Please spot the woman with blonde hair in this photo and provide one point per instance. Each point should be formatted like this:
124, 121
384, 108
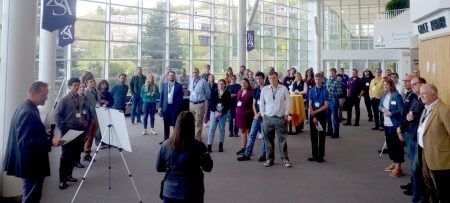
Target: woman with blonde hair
149, 94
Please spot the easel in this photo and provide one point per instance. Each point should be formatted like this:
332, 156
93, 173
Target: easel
382, 149
109, 129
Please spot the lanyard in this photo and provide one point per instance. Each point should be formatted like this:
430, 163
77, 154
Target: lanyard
426, 115
195, 83
274, 93
318, 93
75, 102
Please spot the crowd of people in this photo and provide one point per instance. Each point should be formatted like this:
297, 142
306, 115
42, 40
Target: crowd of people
255, 106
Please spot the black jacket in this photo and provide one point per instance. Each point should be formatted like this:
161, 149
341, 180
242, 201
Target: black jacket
225, 100
28, 144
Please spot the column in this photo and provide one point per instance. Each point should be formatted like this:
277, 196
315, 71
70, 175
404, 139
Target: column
17, 72
242, 33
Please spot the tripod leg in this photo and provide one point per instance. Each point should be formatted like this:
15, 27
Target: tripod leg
89, 167
131, 176
382, 149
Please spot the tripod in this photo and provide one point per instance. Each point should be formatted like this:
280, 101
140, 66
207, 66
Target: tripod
109, 129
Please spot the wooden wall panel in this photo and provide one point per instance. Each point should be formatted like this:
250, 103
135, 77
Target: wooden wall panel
436, 53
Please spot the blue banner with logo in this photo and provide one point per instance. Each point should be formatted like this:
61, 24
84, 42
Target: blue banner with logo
250, 40
66, 35
58, 13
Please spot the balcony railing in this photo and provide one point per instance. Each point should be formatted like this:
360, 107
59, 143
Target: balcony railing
390, 14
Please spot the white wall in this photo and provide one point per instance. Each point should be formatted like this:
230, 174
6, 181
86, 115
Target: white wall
394, 33
404, 57
423, 8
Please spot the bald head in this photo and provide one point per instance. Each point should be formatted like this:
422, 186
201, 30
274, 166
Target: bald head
407, 82
428, 93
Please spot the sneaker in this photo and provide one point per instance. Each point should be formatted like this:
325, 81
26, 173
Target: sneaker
153, 132
268, 163
144, 132
262, 159
243, 158
287, 164
240, 152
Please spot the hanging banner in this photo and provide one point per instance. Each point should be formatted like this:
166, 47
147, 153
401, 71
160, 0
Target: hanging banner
250, 40
58, 13
66, 35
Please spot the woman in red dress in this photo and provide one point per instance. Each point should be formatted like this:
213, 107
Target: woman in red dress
244, 112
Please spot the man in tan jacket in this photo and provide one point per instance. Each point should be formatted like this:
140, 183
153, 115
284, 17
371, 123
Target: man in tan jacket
433, 137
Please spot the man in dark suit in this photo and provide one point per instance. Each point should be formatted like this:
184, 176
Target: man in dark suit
170, 102
433, 137
29, 143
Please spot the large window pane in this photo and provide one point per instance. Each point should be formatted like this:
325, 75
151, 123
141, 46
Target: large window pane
202, 38
221, 25
179, 36
155, 67
222, 11
91, 10
88, 49
117, 67
202, 23
123, 50
179, 6
124, 14
121, 32
96, 67
220, 68
221, 39
155, 4
221, 53
179, 20
200, 64
202, 52
202, 8
125, 2
89, 30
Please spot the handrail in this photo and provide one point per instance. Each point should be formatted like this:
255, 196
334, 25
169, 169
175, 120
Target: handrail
390, 14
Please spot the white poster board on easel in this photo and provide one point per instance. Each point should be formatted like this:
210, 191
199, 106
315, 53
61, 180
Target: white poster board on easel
117, 135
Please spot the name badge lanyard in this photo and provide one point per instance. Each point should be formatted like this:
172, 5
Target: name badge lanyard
318, 94
426, 115
274, 93
75, 102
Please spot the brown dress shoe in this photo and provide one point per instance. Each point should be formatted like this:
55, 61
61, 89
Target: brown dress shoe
397, 172
390, 167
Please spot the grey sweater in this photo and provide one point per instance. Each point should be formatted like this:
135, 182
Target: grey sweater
66, 117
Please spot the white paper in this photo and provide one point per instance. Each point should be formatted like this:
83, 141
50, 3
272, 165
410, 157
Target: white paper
117, 134
319, 127
71, 135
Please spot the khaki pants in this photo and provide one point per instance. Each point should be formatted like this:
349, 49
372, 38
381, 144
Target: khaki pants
199, 111
90, 136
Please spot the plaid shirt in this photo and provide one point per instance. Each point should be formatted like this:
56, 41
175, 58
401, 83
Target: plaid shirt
334, 88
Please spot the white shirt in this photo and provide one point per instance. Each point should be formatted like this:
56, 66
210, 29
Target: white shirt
387, 119
421, 130
275, 101
170, 87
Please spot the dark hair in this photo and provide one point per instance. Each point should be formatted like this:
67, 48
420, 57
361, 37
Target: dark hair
243, 66
222, 80
422, 80
318, 75
273, 73
339, 75
36, 87
248, 82
395, 74
103, 82
183, 140
333, 70
73, 80
354, 69
87, 76
260, 74
122, 74
391, 83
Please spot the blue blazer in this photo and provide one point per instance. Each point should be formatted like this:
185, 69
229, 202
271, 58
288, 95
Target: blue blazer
177, 97
395, 107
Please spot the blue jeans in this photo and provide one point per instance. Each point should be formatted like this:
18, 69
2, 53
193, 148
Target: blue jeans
32, 189
333, 118
256, 127
213, 126
136, 110
149, 108
416, 171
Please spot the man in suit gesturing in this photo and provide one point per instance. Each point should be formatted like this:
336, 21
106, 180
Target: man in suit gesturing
170, 102
433, 137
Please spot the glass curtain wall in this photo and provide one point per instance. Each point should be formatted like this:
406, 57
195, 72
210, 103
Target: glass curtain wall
348, 24
115, 36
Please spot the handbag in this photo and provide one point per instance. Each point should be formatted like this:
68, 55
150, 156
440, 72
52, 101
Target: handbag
172, 165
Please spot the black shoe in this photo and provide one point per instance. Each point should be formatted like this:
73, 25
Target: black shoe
320, 160
262, 159
220, 147
138, 121
209, 148
346, 124
62, 185
408, 192
356, 124
243, 158
79, 165
312, 159
370, 119
240, 152
230, 135
334, 137
87, 158
382, 129
375, 128
71, 179
406, 187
